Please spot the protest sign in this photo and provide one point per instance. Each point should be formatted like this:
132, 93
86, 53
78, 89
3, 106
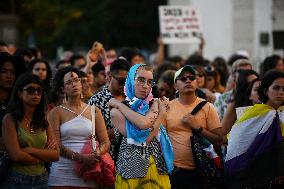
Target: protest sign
178, 24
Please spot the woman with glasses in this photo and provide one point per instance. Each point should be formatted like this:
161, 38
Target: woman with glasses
145, 154
27, 135
41, 69
73, 128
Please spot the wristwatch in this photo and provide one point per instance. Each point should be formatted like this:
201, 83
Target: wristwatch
199, 130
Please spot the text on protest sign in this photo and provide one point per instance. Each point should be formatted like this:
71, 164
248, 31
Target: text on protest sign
178, 23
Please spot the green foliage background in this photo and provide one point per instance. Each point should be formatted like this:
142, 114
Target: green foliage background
76, 24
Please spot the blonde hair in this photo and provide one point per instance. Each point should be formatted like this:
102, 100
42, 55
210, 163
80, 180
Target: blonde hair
145, 68
240, 62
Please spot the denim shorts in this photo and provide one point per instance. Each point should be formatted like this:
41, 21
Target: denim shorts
21, 181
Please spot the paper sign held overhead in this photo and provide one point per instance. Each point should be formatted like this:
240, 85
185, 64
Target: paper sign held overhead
179, 23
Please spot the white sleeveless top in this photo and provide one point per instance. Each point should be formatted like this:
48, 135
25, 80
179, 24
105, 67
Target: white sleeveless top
74, 134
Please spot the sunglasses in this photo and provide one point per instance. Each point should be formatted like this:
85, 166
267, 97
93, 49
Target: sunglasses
31, 90
209, 69
142, 81
121, 80
184, 78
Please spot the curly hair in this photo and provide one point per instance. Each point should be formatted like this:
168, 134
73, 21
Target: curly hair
58, 82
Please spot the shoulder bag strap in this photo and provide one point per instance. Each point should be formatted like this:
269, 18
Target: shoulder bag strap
93, 112
198, 107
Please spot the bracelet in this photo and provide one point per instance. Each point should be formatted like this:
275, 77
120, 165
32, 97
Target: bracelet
73, 156
97, 153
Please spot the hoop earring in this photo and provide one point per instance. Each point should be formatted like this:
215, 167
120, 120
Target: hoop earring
65, 99
177, 94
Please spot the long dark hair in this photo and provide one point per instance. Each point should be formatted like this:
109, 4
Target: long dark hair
16, 107
249, 89
240, 95
266, 82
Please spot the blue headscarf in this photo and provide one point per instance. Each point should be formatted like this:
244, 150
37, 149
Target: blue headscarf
141, 106
137, 136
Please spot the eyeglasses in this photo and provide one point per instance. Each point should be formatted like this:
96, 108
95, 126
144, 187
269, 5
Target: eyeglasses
71, 81
199, 75
121, 80
142, 81
190, 77
31, 90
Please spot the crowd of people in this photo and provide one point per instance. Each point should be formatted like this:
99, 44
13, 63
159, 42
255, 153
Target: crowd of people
143, 114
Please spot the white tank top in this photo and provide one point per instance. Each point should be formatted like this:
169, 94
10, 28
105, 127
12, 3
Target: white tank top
74, 134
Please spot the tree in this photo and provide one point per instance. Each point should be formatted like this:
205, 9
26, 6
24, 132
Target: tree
76, 24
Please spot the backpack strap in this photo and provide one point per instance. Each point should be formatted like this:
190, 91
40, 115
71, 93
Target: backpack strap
198, 107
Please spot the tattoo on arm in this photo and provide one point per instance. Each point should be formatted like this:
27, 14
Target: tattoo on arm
154, 115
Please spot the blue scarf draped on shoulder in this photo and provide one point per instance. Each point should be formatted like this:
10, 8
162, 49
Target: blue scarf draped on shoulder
138, 136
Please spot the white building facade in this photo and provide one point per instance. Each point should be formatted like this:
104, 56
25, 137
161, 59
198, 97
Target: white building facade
232, 25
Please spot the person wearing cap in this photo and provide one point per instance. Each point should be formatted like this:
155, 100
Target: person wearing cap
180, 123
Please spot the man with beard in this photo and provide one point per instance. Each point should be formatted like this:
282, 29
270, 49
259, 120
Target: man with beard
113, 89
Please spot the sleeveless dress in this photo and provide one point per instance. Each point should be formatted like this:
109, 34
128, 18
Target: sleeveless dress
74, 134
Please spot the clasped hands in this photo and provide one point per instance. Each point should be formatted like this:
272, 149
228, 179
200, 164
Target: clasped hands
189, 120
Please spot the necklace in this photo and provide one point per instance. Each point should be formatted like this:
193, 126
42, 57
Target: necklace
29, 126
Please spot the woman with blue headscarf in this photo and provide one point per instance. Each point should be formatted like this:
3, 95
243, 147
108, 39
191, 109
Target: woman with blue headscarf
145, 155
